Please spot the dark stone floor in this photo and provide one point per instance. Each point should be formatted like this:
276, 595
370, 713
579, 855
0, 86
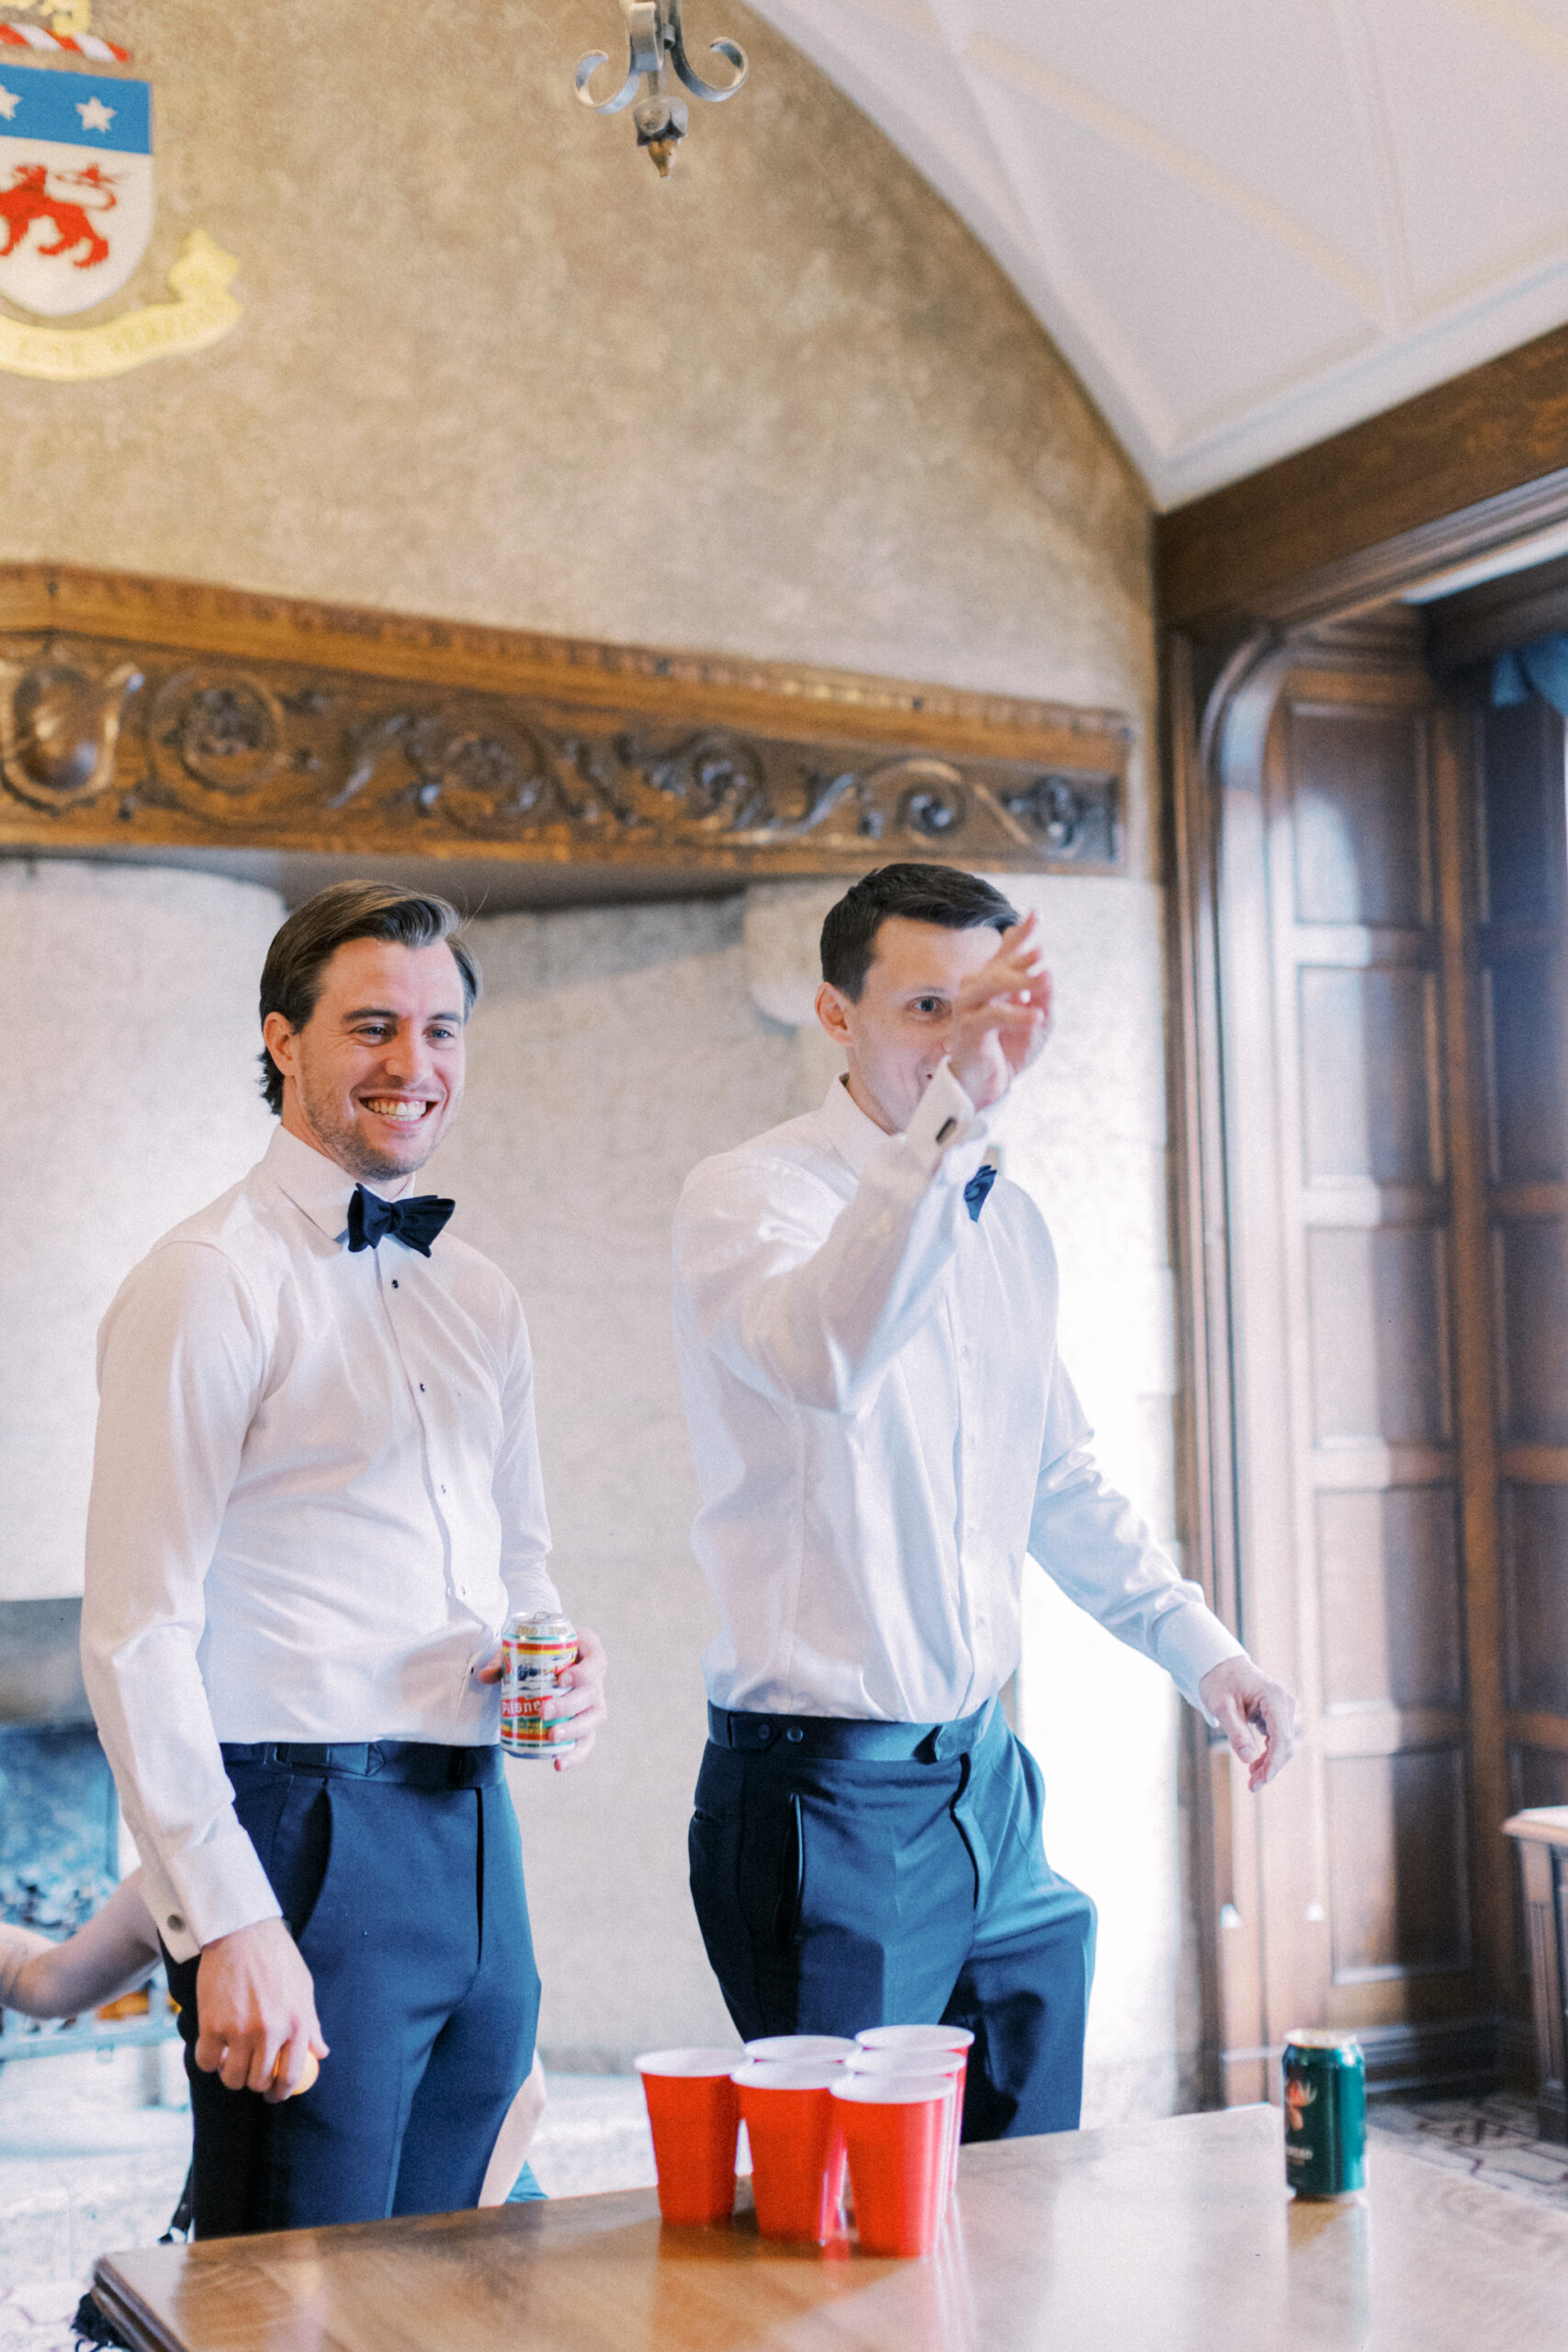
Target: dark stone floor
1491, 2140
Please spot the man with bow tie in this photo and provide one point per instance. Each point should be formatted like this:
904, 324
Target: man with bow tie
867, 1327
316, 1496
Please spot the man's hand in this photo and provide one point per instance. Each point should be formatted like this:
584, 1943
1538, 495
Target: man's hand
1258, 1717
581, 1708
581, 1704
1001, 1016
257, 2007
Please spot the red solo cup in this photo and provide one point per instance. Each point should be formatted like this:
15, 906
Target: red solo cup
953, 2063
926, 2037
768, 2071
801, 2049
895, 2133
694, 2112
796, 2166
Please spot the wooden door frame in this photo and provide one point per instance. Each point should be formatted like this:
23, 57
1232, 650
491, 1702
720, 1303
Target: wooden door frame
1469, 469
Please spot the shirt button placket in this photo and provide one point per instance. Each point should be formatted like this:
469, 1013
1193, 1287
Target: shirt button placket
421, 1407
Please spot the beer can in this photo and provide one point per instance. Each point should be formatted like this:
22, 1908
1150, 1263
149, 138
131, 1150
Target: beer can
534, 1649
1326, 2113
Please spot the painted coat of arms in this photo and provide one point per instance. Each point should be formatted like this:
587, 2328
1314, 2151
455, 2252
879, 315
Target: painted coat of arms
75, 187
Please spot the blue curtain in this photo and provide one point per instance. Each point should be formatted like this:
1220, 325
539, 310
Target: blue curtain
1541, 668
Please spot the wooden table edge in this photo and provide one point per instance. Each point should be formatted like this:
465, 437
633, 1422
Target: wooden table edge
130, 2312
126, 2311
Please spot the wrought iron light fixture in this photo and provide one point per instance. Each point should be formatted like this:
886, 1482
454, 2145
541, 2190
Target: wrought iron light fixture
657, 46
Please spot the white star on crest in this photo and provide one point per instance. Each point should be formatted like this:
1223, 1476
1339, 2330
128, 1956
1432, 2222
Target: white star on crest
9, 101
95, 115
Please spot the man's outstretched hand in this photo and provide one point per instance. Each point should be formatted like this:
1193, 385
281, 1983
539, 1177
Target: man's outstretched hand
579, 1710
1001, 1015
257, 2007
1258, 1717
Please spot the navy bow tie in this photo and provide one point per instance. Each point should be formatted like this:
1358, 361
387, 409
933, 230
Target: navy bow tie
978, 1187
414, 1223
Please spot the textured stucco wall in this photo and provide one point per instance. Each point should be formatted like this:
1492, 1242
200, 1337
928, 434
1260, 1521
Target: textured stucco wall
490, 368
127, 1012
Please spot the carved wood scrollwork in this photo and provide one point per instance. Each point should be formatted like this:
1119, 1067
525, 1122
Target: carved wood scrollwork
106, 739
59, 724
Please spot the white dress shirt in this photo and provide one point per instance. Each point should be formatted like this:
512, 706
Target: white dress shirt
883, 1430
316, 1495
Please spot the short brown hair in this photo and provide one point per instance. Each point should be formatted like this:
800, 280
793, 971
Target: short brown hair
300, 951
935, 894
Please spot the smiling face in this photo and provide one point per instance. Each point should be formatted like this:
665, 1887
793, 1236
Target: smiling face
894, 1034
375, 1077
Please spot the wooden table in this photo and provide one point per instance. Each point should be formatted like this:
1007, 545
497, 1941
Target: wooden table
1160, 2237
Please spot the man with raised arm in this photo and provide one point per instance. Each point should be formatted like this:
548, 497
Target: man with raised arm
316, 1496
867, 1328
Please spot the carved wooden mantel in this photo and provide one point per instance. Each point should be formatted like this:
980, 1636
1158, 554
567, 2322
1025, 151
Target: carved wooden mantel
152, 715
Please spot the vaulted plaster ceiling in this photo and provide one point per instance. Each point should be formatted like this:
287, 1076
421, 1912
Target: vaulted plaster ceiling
1247, 224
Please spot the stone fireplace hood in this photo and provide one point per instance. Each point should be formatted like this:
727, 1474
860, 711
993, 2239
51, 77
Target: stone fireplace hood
288, 742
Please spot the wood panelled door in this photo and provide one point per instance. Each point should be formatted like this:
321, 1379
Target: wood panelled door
1521, 954
1396, 1176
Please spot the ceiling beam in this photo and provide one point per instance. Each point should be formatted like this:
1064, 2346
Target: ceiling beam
1476, 462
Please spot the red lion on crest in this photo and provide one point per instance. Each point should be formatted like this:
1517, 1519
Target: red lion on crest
28, 199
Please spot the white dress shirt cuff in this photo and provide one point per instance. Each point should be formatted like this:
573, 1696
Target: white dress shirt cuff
210, 1891
1191, 1641
943, 1117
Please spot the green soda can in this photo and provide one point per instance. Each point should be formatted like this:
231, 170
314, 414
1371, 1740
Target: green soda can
1326, 2113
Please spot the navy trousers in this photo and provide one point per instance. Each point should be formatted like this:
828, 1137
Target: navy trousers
837, 1891
399, 1870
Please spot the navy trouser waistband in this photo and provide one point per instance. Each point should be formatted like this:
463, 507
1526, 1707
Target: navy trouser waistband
847, 1738
414, 1763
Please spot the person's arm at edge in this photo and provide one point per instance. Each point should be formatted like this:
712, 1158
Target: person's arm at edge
114, 1953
